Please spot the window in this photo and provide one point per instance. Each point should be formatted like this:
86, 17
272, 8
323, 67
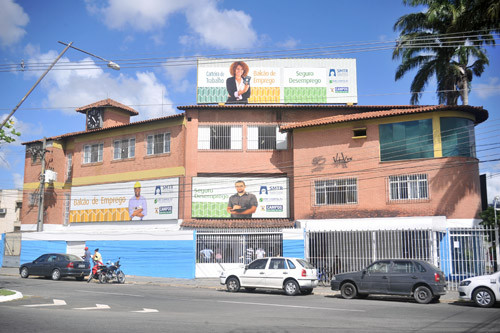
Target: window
124, 149
336, 191
92, 153
408, 187
403, 267
220, 137
359, 133
266, 137
258, 264
69, 165
158, 144
277, 264
67, 205
291, 265
406, 140
379, 267
33, 199
457, 137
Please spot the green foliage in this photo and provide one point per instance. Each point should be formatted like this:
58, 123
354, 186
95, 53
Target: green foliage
8, 133
488, 217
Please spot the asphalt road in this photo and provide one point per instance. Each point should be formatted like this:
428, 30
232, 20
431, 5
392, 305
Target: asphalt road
72, 306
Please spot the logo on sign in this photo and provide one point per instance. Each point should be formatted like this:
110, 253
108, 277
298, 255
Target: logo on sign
274, 208
165, 210
276, 188
163, 200
341, 90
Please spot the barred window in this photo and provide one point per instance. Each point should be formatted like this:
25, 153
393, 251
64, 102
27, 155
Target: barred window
408, 187
266, 137
33, 199
336, 191
124, 149
92, 153
158, 144
69, 165
220, 137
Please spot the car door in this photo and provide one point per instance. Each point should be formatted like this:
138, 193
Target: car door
403, 276
375, 279
37, 264
254, 274
276, 273
47, 266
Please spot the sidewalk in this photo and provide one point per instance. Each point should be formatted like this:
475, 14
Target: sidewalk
210, 283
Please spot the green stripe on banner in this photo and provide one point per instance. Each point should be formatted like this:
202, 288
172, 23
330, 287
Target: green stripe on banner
293, 248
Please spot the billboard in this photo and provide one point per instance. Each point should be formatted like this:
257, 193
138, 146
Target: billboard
301, 81
212, 196
131, 201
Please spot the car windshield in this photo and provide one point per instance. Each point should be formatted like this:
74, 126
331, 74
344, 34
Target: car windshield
305, 264
72, 257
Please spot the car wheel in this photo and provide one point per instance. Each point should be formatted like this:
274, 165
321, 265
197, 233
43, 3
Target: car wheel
80, 278
56, 274
24, 272
348, 290
484, 298
250, 289
233, 285
306, 291
291, 288
423, 295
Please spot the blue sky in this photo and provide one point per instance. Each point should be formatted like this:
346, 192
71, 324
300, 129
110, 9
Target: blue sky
147, 37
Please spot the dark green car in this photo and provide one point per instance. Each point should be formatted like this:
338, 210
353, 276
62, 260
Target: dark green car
406, 277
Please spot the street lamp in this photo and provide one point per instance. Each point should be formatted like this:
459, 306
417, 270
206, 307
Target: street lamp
110, 65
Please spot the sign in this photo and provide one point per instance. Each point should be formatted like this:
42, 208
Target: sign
211, 197
131, 201
294, 81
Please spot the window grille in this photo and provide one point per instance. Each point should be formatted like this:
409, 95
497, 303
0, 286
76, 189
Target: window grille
124, 149
336, 191
33, 199
266, 137
158, 144
220, 137
408, 187
92, 153
69, 165
67, 204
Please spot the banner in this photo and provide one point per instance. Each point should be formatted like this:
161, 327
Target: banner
132, 201
301, 81
211, 197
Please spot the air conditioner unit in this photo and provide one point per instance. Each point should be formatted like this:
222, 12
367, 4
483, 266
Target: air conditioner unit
50, 176
3, 210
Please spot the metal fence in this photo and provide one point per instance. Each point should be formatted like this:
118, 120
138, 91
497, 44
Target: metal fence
237, 246
460, 253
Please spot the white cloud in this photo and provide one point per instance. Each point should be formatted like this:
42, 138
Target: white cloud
176, 71
74, 88
18, 181
290, 43
486, 90
492, 185
13, 19
229, 29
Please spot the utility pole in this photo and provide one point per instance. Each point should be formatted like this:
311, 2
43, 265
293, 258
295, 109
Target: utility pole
41, 153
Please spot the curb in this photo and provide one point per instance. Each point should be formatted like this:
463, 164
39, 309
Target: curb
17, 295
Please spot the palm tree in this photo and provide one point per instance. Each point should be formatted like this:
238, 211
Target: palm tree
435, 43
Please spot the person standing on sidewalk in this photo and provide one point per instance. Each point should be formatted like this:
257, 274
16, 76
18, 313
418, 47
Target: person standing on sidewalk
87, 256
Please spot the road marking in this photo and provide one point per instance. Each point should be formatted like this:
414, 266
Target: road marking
57, 302
292, 306
97, 307
103, 292
145, 310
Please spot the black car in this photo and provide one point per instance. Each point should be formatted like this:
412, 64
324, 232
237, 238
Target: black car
417, 278
56, 265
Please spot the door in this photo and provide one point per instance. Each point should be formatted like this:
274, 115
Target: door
254, 274
375, 278
37, 266
276, 273
402, 277
46, 267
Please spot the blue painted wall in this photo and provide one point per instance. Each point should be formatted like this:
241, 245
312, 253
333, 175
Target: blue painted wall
30, 250
2, 247
294, 248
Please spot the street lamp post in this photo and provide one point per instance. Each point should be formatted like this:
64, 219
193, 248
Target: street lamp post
495, 203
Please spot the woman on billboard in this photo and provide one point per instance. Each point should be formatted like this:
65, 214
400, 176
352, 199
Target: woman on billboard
238, 85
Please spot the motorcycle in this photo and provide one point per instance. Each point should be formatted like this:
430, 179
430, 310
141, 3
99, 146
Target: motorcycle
111, 272
95, 272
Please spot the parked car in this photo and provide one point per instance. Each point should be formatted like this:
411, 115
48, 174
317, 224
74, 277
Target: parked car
290, 274
484, 290
56, 265
416, 278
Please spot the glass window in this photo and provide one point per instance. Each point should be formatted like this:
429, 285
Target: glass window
291, 265
305, 264
379, 267
457, 137
158, 144
403, 267
422, 268
277, 264
42, 258
124, 149
265, 137
408, 187
93, 153
406, 140
336, 191
220, 137
69, 165
258, 264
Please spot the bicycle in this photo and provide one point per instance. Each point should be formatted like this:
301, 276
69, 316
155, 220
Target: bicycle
323, 278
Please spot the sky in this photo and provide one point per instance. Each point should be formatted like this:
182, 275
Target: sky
155, 42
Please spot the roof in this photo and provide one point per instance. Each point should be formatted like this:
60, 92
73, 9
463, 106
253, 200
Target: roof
479, 113
68, 135
107, 102
238, 223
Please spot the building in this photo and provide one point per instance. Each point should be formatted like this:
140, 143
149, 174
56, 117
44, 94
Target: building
10, 210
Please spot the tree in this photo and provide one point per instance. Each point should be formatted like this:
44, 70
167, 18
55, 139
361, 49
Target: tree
8, 133
441, 42
488, 217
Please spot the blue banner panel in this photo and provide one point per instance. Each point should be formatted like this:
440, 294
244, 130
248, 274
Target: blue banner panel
2, 241
30, 250
293, 248
175, 259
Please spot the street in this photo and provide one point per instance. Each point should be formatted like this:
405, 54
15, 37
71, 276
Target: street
71, 306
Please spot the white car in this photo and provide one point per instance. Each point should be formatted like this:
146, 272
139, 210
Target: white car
290, 274
484, 290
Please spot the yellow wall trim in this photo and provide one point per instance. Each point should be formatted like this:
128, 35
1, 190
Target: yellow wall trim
436, 134
129, 176
34, 186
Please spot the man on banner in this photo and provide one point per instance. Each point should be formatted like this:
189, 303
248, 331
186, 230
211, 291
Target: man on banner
137, 205
242, 204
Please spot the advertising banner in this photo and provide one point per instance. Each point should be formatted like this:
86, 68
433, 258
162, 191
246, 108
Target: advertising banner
293, 81
227, 197
131, 201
